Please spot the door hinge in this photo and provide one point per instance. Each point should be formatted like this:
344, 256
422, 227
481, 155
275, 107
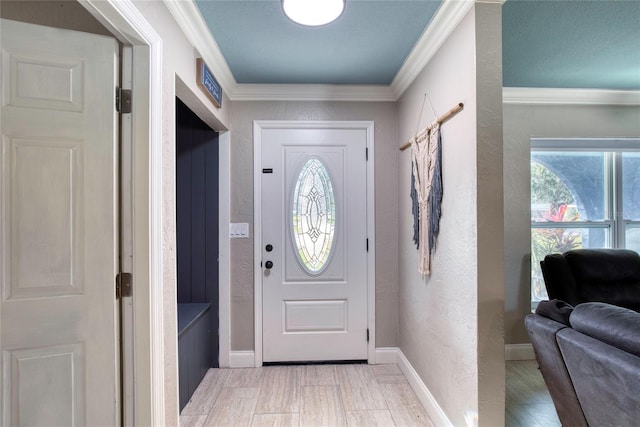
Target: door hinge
367, 245
124, 286
366, 154
367, 335
123, 100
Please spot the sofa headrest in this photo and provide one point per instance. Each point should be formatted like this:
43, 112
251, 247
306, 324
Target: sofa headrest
558, 279
606, 275
604, 265
616, 326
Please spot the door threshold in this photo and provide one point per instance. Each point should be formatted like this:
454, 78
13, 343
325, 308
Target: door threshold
318, 362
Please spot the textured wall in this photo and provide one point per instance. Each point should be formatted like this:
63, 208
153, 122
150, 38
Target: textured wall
386, 157
67, 14
178, 78
521, 123
490, 216
442, 333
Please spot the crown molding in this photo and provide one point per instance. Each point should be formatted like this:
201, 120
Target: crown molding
447, 18
438, 30
552, 96
294, 92
190, 21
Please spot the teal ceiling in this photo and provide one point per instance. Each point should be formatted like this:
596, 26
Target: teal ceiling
571, 44
366, 45
546, 43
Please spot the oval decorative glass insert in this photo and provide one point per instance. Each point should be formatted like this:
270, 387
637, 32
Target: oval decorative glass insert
313, 216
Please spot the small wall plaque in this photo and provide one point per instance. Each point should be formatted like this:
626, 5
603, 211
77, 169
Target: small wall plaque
208, 83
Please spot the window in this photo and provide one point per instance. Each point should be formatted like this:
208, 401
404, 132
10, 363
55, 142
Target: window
584, 194
313, 214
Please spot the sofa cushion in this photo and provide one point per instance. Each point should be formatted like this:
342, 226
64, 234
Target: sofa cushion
616, 326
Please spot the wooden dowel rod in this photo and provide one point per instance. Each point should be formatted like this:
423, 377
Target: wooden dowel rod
443, 118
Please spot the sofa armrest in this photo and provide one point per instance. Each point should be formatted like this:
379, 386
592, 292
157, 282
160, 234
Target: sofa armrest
606, 379
616, 326
542, 332
555, 309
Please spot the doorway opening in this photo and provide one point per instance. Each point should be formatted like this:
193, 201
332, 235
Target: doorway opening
197, 182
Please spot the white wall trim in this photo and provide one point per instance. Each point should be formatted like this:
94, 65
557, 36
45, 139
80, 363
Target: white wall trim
154, 223
393, 355
242, 359
387, 355
519, 352
442, 24
436, 413
439, 29
257, 241
258, 125
298, 92
224, 250
189, 19
371, 236
552, 96
126, 22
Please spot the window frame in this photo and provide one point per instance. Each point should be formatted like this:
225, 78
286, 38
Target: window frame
614, 221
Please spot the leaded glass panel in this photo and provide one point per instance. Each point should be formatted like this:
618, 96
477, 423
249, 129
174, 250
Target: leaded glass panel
313, 216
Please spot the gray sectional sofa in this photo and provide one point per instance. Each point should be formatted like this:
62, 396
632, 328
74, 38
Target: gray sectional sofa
589, 357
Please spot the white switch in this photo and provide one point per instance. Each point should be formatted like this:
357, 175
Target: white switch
239, 230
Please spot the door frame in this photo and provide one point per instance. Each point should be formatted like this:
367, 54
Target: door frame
129, 26
258, 126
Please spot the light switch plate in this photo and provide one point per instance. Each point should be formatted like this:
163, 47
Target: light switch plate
239, 230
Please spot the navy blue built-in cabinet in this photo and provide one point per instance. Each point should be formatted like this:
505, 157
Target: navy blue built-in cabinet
193, 352
197, 248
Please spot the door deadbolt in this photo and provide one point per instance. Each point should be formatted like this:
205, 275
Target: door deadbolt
268, 265
269, 248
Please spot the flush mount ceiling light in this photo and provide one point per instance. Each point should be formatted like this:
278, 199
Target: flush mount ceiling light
313, 12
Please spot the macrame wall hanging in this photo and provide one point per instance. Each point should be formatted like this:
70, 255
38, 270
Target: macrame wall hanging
426, 185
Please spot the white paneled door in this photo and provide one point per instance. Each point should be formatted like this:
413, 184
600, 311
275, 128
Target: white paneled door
314, 244
58, 228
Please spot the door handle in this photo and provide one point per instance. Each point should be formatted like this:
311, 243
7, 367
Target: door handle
268, 265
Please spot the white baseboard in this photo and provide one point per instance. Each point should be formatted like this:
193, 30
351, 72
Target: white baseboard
242, 359
429, 402
519, 352
386, 355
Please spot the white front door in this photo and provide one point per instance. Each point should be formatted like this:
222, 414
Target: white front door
58, 227
313, 243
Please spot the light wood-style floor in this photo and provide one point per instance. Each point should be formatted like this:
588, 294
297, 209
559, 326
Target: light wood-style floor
528, 403
311, 395
339, 395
